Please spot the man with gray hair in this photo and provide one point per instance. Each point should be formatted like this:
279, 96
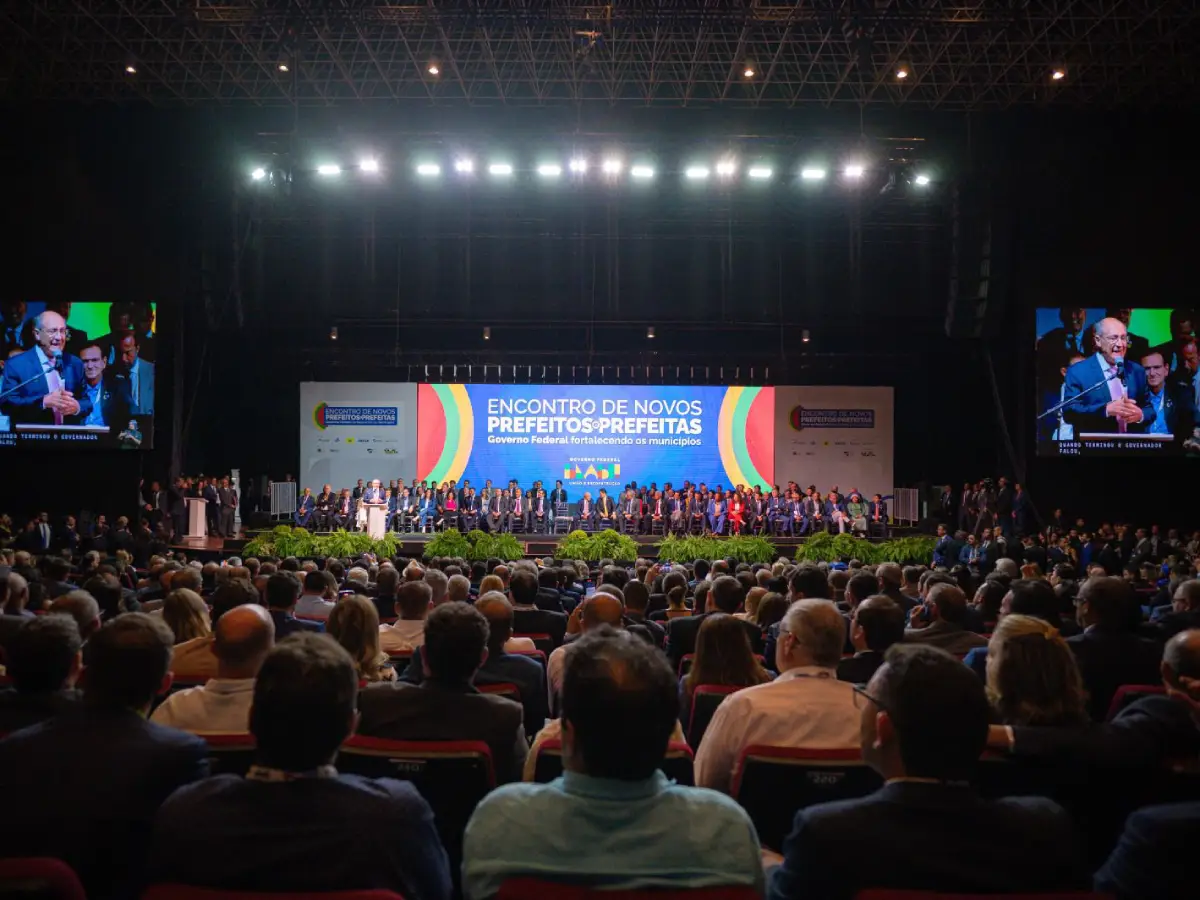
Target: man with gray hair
942, 622
806, 706
438, 583
458, 589
82, 607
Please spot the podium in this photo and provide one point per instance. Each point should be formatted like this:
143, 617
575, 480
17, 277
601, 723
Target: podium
195, 516
375, 522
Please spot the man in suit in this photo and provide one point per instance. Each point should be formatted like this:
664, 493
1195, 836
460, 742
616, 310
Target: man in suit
530, 616
941, 622
89, 783
1110, 652
178, 508
1153, 857
55, 392
585, 514
1056, 345
228, 499
1138, 345
924, 722
109, 397
138, 373
358, 491
303, 710
324, 508
44, 661
605, 509
500, 667
1117, 404
497, 512
446, 706
631, 512
877, 516
558, 495
343, 516
1174, 405
304, 508
212, 505
875, 625
12, 321
518, 512
725, 596
1183, 331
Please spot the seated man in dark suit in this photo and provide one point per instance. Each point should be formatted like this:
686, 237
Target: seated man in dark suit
1105, 408
526, 673
1110, 652
875, 625
528, 618
259, 833
1154, 857
89, 782
924, 723
446, 706
1185, 610
726, 596
44, 660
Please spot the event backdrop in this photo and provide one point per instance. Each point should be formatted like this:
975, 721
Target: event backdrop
835, 436
356, 430
595, 436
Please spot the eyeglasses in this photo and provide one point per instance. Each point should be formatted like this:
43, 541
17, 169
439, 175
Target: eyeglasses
53, 332
861, 696
1114, 338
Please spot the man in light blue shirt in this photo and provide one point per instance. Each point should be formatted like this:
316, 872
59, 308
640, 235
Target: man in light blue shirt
613, 820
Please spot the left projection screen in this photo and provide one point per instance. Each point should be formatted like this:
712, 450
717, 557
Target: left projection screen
593, 436
354, 430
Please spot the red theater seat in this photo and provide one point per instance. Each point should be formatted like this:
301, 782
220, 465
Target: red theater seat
230, 754
543, 642
183, 892
886, 894
39, 878
537, 889
1131, 693
705, 700
677, 764
503, 689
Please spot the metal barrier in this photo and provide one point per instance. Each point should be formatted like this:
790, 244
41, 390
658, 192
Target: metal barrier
906, 505
283, 499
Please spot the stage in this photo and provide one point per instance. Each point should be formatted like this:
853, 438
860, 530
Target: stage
536, 545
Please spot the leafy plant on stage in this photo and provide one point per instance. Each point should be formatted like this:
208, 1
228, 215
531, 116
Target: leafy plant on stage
739, 547
498, 546
451, 542
285, 541
844, 547
595, 546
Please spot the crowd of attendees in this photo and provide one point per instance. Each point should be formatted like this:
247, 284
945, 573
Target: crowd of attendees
119, 675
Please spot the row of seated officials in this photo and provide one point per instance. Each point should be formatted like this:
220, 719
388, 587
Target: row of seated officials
638, 510
93, 773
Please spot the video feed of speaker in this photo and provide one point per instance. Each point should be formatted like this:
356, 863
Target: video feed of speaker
77, 374
1117, 382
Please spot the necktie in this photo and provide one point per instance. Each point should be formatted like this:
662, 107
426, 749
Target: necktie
518, 509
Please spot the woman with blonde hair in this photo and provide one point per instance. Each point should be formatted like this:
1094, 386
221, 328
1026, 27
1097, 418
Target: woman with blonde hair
354, 623
492, 583
185, 613
1032, 678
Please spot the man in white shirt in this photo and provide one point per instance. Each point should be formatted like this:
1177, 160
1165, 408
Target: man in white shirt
408, 631
313, 603
243, 638
806, 706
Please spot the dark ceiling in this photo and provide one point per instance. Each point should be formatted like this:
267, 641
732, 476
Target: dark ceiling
959, 54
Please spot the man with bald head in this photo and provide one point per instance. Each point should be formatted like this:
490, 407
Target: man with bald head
806, 706
1114, 390
45, 385
511, 668
602, 608
243, 637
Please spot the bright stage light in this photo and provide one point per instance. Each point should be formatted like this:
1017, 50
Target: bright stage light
487, 333
259, 174
902, 72
642, 172
650, 332
578, 165
853, 171
549, 170
283, 67
131, 69
464, 166
369, 165
500, 169
922, 180
748, 72
433, 69
329, 169
812, 174
726, 168
611, 166
1058, 74
761, 172
429, 169
804, 335
696, 173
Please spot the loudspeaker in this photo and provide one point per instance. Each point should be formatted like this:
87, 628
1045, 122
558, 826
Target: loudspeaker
980, 244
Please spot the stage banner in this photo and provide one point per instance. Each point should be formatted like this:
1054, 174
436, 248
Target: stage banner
840, 436
595, 436
352, 430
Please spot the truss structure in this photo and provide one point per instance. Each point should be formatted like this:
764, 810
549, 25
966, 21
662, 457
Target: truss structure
957, 54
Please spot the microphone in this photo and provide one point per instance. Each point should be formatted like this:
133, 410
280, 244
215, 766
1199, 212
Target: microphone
1119, 365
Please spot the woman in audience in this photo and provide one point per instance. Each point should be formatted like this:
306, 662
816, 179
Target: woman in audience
186, 615
771, 609
124, 566
753, 598
723, 656
354, 623
676, 598
492, 583
1032, 678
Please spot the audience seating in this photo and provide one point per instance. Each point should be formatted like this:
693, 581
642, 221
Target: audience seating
677, 765
1130, 693
526, 888
705, 700
503, 688
230, 754
453, 776
184, 892
400, 660
772, 783
533, 654
39, 878
685, 664
543, 642
888, 894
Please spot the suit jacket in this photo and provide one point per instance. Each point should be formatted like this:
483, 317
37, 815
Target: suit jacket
114, 402
305, 505
1087, 413
945, 636
227, 497
141, 385
212, 496
1179, 409
976, 841
1154, 856
24, 404
540, 621
20, 710
882, 509
604, 505
859, 668
434, 711
682, 631
88, 785
557, 496
1109, 659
